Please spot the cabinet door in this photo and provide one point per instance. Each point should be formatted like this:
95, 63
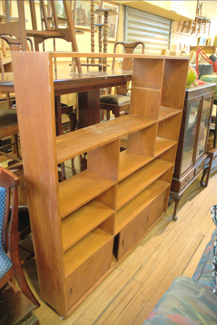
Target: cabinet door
133, 232
190, 134
204, 126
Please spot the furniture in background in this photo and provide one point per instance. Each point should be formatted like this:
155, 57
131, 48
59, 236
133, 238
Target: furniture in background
190, 301
106, 12
87, 84
191, 154
119, 101
15, 33
9, 128
93, 219
15, 301
200, 25
210, 78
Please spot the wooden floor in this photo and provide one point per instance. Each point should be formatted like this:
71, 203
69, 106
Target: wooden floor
171, 249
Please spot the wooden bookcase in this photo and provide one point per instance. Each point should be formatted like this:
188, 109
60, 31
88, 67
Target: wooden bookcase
83, 226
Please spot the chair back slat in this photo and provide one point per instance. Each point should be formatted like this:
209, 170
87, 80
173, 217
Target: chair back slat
44, 14
7, 11
54, 14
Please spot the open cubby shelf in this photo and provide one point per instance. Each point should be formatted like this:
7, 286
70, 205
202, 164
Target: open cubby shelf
130, 162
135, 183
166, 112
163, 145
84, 225
136, 205
81, 188
82, 221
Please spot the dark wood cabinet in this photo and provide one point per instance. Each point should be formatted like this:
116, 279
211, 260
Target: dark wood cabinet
191, 154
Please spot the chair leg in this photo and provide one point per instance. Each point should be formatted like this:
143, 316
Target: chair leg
72, 118
16, 145
21, 280
116, 112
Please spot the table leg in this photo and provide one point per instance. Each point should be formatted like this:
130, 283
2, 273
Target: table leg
59, 130
58, 115
89, 108
177, 199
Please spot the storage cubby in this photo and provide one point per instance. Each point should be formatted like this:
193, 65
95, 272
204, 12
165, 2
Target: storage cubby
79, 223
167, 128
139, 150
135, 183
173, 86
87, 223
146, 102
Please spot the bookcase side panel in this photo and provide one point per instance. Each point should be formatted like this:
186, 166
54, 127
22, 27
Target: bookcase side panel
35, 109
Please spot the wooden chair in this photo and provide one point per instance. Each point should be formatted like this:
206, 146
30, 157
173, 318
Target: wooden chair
9, 128
16, 34
118, 102
9, 253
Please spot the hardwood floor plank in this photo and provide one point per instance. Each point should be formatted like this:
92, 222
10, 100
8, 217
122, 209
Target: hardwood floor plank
120, 302
190, 266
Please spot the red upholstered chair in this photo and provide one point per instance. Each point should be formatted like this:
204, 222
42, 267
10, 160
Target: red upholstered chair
119, 101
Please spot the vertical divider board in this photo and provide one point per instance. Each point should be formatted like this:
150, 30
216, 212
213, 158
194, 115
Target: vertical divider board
108, 208
36, 119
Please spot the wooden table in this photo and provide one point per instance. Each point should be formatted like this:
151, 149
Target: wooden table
87, 85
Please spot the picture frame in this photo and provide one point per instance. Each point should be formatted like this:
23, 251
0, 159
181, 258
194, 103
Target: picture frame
83, 14
60, 11
113, 21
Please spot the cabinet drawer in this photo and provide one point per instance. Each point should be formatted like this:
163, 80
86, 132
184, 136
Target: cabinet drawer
187, 179
157, 207
132, 233
87, 274
199, 168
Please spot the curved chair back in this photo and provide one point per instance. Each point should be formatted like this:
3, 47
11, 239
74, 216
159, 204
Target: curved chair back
129, 48
9, 251
127, 63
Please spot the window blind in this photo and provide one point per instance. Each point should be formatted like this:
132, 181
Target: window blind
153, 30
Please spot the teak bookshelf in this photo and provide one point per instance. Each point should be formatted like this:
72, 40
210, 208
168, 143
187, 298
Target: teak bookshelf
86, 224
